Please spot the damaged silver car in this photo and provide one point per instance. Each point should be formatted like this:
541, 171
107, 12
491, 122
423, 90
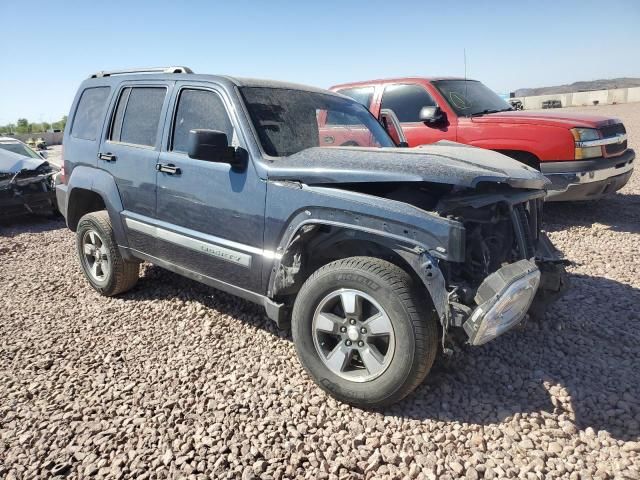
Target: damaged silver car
27, 185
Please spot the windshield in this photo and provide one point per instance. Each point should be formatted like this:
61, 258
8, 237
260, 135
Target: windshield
470, 97
20, 149
288, 121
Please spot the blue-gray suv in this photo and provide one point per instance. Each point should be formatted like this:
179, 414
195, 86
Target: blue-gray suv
375, 255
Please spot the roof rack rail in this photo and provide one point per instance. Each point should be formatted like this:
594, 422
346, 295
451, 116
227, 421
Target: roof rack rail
108, 73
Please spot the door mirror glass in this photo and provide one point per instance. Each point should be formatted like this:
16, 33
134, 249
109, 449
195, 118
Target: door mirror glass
431, 115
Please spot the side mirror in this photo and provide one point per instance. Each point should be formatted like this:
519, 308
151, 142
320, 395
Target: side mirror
431, 115
211, 146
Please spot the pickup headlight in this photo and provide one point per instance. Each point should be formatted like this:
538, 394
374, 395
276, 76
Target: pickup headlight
585, 135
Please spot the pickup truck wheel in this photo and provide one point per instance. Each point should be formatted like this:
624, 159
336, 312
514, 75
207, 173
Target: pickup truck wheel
100, 258
363, 331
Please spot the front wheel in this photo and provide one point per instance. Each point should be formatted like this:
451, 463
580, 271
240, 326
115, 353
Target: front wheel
364, 331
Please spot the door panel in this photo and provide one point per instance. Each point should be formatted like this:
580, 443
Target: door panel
130, 150
216, 212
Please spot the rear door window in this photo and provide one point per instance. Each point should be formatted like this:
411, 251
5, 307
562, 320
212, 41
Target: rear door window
137, 115
362, 95
199, 109
406, 101
90, 113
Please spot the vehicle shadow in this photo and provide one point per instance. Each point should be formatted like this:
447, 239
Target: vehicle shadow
29, 224
619, 212
577, 366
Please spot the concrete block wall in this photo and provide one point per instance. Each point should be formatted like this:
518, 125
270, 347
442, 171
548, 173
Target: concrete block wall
577, 99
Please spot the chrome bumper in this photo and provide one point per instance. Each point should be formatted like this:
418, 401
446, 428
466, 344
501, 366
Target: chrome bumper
575, 182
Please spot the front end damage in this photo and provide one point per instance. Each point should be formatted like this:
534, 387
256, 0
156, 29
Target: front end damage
511, 269
27, 191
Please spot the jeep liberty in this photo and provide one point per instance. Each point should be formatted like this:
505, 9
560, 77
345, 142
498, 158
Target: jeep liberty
375, 256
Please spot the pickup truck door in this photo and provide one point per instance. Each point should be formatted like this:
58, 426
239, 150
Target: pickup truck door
406, 100
210, 217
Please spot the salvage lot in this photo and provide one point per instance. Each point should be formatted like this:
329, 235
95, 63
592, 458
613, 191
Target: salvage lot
175, 378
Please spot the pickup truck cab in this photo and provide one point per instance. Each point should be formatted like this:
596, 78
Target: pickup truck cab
585, 156
375, 256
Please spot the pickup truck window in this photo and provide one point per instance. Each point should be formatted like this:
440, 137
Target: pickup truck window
362, 95
138, 115
406, 101
470, 97
199, 109
89, 112
286, 121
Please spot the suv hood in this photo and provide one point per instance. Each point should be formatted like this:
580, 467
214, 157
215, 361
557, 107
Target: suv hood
560, 119
442, 162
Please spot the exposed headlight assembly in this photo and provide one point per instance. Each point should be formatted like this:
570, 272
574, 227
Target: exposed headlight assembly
503, 300
581, 135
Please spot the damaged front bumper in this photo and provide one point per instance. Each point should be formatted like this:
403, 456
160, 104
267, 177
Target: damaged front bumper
503, 301
506, 296
20, 196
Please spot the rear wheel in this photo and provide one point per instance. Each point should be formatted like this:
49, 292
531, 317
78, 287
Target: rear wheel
363, 331
100, 258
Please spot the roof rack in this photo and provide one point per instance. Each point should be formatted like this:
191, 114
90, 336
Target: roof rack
108, 73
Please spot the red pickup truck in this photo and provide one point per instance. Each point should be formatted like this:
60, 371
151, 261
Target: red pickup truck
585, 156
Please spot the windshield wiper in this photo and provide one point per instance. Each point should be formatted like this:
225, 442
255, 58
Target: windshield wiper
487, 111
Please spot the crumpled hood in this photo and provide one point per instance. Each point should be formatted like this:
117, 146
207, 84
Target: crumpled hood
442, 162
11, 162
555, 118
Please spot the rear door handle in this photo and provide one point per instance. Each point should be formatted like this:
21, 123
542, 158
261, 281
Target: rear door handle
107, 157
169, 168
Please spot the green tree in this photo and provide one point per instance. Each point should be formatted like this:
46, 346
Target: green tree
60, 124
23, 126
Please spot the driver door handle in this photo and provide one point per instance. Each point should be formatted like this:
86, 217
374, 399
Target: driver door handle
169, 168
107, 157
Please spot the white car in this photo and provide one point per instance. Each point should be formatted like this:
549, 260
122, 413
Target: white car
16, 146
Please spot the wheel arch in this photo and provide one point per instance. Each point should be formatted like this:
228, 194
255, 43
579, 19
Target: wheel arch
523, 156
91, 190
316, 244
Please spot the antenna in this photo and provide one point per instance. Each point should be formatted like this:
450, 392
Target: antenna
464, 54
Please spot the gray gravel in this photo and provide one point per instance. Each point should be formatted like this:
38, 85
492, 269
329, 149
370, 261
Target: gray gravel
178, 380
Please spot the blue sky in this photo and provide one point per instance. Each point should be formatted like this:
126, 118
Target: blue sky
48, 48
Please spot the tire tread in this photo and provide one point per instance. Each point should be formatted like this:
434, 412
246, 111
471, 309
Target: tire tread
425, 328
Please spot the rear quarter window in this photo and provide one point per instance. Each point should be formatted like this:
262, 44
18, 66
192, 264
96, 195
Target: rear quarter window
89, 113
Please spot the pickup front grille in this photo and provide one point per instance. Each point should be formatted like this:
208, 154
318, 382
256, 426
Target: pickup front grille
610, 131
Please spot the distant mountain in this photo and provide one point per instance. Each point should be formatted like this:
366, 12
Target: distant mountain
580, 87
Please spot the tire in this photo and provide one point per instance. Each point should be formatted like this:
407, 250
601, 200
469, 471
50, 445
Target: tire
412, 342
113, 275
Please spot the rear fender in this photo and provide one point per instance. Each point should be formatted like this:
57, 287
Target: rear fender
103, 184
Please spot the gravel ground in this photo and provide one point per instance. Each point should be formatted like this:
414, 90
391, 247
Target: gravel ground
178, 380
